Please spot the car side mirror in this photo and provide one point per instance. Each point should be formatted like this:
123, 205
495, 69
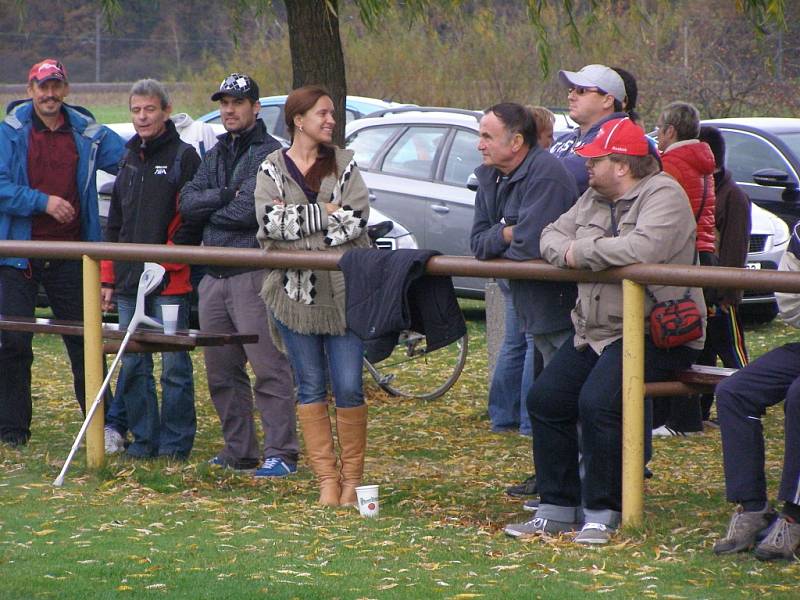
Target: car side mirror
472, 182
774, 178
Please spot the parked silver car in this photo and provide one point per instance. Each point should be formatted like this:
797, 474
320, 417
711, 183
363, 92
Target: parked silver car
416, 162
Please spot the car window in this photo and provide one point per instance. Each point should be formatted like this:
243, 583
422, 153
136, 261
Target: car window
349, 115
413, 153
792, 140
270, 116
747, 153
463, 158
365, 143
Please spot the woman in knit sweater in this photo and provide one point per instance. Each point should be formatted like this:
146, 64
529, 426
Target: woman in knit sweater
312, 197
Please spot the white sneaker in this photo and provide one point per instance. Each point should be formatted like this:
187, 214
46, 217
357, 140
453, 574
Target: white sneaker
113, 441
665, 431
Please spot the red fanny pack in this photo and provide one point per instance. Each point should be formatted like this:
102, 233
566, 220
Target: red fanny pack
675, 322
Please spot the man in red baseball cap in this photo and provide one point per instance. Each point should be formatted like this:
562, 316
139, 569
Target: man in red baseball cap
49, 68
49, 155
631, 213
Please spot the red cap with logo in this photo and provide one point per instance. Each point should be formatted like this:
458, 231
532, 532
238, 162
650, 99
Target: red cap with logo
49, 68
617, 136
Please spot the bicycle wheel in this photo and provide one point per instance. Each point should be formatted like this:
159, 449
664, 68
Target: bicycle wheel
412, 371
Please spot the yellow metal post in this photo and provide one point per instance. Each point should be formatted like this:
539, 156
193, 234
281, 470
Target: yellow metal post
632, 403
93, 359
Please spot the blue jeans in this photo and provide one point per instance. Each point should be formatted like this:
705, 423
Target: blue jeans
513, 375
579, 387
172, 432
307, 354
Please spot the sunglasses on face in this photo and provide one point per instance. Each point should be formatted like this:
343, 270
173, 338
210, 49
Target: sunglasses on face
581, 91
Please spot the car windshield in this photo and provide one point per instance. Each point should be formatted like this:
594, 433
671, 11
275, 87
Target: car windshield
792, 140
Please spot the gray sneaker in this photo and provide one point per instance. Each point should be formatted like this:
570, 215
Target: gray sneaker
595, 533
781, 542
539, 526
112, 440
743, 530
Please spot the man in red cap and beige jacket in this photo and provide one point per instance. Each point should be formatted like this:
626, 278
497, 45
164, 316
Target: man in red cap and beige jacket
630, 214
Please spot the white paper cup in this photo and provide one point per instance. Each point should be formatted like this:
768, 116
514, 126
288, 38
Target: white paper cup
367, 498
169, 316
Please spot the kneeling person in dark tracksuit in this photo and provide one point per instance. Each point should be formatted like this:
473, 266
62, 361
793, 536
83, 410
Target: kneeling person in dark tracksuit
144, 210
741, 400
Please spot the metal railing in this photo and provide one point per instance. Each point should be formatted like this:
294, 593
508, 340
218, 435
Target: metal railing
632, 278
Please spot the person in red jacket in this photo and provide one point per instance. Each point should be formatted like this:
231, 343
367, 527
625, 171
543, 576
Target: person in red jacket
692, 164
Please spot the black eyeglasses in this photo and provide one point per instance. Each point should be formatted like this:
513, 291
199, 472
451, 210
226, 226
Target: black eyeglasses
590, 162
581, 91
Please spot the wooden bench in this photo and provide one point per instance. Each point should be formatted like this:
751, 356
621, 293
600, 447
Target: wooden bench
697, 379
143, 340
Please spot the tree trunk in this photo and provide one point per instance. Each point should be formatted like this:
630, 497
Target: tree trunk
316, 51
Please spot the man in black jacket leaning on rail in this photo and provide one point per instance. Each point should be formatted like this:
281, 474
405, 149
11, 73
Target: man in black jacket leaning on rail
219, 200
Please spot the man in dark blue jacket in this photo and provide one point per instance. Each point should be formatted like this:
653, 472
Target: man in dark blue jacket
522, 189
49, 156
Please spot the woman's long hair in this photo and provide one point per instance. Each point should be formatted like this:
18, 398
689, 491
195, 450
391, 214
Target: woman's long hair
299, 102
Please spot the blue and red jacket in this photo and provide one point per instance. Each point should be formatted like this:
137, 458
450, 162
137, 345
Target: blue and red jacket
144, 207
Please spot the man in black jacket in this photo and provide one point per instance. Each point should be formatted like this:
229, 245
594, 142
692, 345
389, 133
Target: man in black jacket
219, 202
144, 210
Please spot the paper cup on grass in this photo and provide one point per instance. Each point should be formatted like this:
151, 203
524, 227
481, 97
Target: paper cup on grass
169, 316
367, 496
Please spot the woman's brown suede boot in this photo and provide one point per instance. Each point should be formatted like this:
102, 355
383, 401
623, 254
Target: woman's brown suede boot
351, 429
316, 426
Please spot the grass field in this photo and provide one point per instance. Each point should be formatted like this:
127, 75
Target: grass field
185, 530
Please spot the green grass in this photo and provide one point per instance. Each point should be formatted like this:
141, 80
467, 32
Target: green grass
185, 530
111, 114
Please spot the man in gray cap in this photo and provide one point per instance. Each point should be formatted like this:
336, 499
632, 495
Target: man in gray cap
595, 95
219, 203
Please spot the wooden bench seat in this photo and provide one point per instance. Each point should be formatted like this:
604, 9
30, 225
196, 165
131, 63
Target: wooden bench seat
143, 340
697, 379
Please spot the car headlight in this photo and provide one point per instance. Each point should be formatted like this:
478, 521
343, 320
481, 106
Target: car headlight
780, 235
407, 241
